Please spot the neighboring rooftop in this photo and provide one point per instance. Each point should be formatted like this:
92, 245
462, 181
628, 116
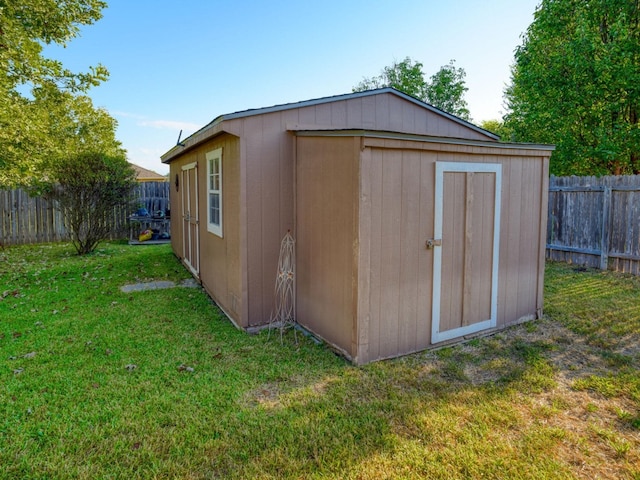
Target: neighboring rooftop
146, 175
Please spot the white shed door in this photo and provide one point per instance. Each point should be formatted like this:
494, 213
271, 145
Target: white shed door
190, 222
465, 248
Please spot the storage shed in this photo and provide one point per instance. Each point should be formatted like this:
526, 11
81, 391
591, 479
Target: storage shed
414, 228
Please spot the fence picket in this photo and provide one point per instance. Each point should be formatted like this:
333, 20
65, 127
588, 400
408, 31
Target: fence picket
24, 219
595, 222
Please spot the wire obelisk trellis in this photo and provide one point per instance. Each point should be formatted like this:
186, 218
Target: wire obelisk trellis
283, 315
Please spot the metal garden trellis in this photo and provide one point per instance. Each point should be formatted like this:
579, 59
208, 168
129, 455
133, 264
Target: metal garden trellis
283, 315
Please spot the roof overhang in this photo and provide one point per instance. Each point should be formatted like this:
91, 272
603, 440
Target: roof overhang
193, 141
422, 139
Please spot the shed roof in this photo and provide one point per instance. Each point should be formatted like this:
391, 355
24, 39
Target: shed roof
216, 122
349, 132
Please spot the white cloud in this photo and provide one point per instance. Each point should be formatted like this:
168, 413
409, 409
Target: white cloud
119, 113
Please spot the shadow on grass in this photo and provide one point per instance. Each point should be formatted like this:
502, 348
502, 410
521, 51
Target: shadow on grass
407, 417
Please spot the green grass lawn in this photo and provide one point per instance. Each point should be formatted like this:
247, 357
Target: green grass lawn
96, 383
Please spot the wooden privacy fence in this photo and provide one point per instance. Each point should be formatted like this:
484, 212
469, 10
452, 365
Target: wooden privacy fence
25, 219
595, 222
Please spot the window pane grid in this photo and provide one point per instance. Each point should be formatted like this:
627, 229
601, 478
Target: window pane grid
214, 197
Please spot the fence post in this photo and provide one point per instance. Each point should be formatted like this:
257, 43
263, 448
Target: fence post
604, 231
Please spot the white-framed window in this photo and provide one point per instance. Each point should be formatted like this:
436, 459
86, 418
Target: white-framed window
214, 191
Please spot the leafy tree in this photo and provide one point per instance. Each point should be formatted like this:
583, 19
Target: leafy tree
405, 76
87, 188
576, 83
52, 125
498, 127
444, 90
44, 112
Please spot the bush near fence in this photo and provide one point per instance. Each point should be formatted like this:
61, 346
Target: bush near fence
595, 222
25, 219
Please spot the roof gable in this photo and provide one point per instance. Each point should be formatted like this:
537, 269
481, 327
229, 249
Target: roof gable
348, 96
418, 107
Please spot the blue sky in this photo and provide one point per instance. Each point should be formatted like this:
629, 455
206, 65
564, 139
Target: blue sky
177, 65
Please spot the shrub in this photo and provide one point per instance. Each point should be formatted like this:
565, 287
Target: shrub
87, 188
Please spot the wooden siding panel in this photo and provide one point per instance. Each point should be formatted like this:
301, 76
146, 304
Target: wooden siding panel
396, 114
509, 242
287, 172
268, 151
409, 117
425, 257
398, 267
231, 219
382, 113
479, 248
453, 234
390, 251
529, 213
326, 170
273, 210
519, 246
307, 116
543, 181
252, 148
323, 114
368, 106
385, 112
354, 112
339, 113
363, 286
308, 200
375, 261
503, 266
410, 248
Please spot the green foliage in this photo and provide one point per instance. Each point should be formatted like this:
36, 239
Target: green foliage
87, 188
497, 127
28, 24
576, 84
44, 112
53, 124
405, 76
444, 90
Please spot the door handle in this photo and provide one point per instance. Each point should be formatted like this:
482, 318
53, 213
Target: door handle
433, 242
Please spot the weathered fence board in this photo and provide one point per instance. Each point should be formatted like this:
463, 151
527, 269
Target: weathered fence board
25, 219
595, 222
